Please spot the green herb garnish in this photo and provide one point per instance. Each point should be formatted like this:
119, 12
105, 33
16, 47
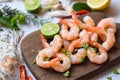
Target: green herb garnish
81, 27
81, 6
13, 18
38, 50
86, 46
67, 73
109, 78
34, 61
67, 53
82, 59
115, 71
33, 50
47, 58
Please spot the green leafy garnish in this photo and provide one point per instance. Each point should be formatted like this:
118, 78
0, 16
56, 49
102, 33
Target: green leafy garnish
67, 53
82, 59
115, 71
109, 78
13, 18
33, 50
67, 73
47, 58
81, 6
86, 46
34, 61
38, 50
81, 27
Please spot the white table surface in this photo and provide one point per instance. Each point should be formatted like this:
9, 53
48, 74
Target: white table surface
113, 11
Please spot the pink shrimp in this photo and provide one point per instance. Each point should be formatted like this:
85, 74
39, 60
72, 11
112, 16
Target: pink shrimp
108, 36
40, 60
61, 63
93, 56
56, 43
90, 23
79, 55
69, 34
108, 24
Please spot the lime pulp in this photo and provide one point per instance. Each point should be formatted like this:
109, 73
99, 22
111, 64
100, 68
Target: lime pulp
32, 5
50, 29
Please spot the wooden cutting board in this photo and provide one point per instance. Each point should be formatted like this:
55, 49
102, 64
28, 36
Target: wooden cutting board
32, 43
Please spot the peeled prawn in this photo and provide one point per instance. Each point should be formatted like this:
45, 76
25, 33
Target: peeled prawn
69, 34
108, 24
89, 22
94, 57
56, 43
79, 55
61, 63
40, 59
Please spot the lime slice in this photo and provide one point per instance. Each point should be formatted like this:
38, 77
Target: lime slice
50, 29
98, 4
32, 5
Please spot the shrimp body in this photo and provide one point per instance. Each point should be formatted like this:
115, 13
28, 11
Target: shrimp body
109, 24
56, 43
110, 41
85, 38
40, 59
89, 22
94, 57
61, 63
69, 34
79, 55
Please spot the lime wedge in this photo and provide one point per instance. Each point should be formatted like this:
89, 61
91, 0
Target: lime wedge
50, 29
32, 5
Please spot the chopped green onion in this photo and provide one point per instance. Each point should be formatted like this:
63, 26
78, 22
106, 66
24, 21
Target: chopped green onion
67, 53
86, 46
47, 58
109, 78
38, 50
81, 27
67, 73
115, 71
34, 61
33, 50
82, 59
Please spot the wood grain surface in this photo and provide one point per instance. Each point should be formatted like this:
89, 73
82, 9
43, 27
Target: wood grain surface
32, 43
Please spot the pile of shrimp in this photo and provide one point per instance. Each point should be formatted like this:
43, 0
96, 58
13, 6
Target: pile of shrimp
77, 40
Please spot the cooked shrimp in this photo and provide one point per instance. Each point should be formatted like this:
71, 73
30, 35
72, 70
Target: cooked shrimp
90, 23
108, 37
85, 38
75, 18
66, 44
61, 63
56, 43
79, 55
110, 40
97, 30
69, 34
94, 57
40, 59
109, 24
44, 41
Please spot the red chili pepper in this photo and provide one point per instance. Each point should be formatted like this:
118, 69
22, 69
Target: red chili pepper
82, 12
29, 78
23, 75
77, 13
